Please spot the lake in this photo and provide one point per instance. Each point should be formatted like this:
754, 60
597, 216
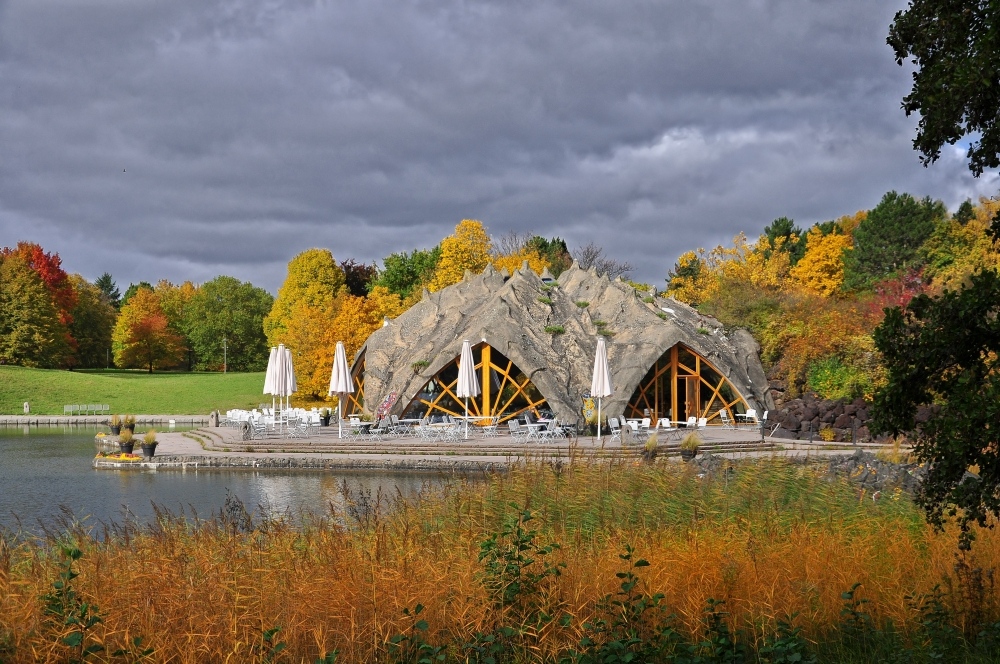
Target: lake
43, 469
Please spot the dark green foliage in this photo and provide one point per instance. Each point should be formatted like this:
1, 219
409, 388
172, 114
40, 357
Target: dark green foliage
889, 238
965, 212
786, 646
67, 611
515, 566
412, 647
403, 272
109, 290
941, 355
358, 277
544, 300
270, 647
555, 329
793, 237
93, 322
955, 46
132, 290
583, 304
630, 626
226, 308
554, 251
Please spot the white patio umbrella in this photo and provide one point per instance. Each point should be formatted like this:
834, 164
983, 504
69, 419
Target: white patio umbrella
600, 384
291, 383
468, 385
269, 375
341, 383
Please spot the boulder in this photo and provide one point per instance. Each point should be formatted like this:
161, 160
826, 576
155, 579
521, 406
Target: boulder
843, 421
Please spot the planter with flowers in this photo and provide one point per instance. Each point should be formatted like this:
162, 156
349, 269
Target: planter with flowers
125, 442
149, 444
689, 446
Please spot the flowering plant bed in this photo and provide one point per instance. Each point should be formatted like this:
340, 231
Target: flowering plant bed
116, 456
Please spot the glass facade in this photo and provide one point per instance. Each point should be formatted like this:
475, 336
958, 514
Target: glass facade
682, 384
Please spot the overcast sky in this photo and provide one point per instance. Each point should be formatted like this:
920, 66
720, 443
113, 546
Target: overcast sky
184, 139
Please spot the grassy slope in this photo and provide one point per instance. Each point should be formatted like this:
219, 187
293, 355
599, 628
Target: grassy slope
127, 392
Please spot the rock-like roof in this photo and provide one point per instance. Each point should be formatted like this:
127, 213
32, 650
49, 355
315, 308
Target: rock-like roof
507, 313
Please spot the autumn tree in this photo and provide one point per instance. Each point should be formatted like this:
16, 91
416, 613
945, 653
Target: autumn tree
407, 273
132, 290
228, 310
314, 280
93, 323
468, 248
143, 337
32, 333
554, 251
957, 249
821, 268
174, 301
889, 238
691, 280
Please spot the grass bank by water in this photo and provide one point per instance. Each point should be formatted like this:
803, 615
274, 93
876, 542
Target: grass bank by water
777, 542
47, 391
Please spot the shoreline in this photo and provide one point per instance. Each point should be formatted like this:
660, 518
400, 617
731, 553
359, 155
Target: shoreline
42, 420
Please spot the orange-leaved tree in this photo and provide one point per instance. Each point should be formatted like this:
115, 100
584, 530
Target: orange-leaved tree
314, 280
514, 261
142, 336
313, 333
468, 248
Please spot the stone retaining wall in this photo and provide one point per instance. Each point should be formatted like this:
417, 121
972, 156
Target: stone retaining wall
17, 420
195, 462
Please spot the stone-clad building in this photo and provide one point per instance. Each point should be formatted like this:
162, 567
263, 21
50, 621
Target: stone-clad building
534, 342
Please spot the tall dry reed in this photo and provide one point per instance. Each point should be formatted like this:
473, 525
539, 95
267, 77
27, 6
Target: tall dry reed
771, 539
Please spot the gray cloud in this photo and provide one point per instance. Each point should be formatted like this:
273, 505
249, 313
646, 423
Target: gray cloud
249, 131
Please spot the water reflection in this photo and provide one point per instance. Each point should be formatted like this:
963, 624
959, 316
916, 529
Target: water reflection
42, 469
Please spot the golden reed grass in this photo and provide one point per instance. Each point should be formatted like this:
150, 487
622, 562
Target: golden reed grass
771, 539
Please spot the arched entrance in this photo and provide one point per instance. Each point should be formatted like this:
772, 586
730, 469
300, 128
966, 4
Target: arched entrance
682, 384
506, 390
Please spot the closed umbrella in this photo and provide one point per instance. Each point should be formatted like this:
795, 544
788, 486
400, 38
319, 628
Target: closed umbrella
600, 384
341, 383
468, 385
269, 375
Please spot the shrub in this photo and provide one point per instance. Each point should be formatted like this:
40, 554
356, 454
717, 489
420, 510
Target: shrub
545, 300
583, 304
832, 379
555, 329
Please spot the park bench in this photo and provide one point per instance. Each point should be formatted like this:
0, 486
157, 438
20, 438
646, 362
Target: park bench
87, 409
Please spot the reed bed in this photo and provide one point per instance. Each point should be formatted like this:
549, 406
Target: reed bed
774, 540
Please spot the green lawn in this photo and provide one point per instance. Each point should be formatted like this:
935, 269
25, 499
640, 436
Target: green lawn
128, 391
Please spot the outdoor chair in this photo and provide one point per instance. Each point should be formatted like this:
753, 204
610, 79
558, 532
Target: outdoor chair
519, 434
748, 419
551, 431
490, 430
726, 422
298, 428
616, 430
378, 430
702, 422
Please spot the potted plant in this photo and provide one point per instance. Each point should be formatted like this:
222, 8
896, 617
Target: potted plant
149, 444
649, 450
116, 425
129, 423
324, 416
125, 442
689, 446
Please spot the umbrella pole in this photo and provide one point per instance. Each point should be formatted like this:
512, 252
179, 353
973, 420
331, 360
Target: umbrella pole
466, 418
340, 417
598, 419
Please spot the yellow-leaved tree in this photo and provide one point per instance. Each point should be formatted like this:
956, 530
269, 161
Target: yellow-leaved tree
956, 250
315, 280
512, 262
143, 337
691, 281
821, 269
468, 248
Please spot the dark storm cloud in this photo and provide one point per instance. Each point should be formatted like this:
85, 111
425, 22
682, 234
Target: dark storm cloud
249, 131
